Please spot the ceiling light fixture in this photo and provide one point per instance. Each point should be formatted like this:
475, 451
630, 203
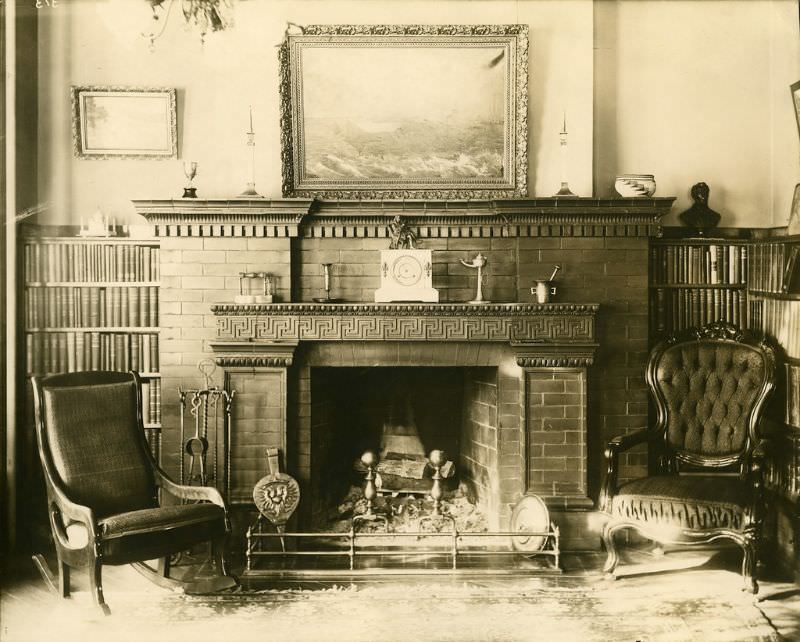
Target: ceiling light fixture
203, 15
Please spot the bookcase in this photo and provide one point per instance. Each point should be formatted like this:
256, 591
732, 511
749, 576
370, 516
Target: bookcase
92, 304
696, 281
774, 309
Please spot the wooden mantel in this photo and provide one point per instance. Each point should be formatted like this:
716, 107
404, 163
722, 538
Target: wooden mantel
540, 335
431, 219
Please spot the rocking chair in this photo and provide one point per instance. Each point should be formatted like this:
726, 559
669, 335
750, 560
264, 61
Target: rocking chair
99, 473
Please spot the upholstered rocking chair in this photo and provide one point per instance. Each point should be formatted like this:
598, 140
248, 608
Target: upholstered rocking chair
99, 473
709, 387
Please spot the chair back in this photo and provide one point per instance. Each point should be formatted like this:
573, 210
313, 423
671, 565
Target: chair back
709, 386
91, 440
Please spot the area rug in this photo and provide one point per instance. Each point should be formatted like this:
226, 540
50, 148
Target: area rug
705, 605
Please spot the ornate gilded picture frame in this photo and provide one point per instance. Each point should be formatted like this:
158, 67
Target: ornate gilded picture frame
405, 111
124, 122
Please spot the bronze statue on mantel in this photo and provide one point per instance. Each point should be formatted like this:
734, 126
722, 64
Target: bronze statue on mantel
402, 236
700, 216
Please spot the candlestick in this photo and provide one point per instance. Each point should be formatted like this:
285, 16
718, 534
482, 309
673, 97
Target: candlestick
565, 190
251, 192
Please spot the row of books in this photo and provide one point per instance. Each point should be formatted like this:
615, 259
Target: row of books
151, 401
676, 309
698, 264
58, 262
50, 352
153, 436
779, 319
773, 267
75, 307
793, 395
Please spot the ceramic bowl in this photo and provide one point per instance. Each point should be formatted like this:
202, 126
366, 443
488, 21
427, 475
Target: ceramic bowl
632, 185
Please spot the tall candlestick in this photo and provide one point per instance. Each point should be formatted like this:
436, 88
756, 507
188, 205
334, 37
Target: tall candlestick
564, 191
251, 143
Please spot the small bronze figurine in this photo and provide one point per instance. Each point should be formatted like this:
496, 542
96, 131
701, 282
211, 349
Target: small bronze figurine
403, 237
700, 216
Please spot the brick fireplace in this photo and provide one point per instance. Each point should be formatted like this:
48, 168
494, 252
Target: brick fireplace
526, 433
542, 387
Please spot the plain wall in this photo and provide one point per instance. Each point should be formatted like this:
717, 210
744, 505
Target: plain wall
99, 43
688, 90
696, 91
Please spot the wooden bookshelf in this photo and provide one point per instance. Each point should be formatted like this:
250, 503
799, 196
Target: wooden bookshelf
696, 281
92, 304
774, 309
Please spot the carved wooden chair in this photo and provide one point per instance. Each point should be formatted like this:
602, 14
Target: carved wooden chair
709, 387
99, 473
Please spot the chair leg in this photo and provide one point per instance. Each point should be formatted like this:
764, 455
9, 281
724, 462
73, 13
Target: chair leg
613, 557
96, 584
164, 565
749, 562
63, 579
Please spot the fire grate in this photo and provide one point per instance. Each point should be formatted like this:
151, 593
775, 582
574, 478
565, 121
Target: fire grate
532, 535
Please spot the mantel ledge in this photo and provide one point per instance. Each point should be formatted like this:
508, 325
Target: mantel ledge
405, 309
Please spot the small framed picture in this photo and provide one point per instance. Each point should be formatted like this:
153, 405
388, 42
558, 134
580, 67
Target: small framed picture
793, 227
124, 122
795, 88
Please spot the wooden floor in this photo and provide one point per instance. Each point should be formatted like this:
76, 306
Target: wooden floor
23, 594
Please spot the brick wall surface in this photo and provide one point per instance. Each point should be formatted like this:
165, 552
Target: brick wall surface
197, 272
611, 271
556, 435
356, 269
478, 453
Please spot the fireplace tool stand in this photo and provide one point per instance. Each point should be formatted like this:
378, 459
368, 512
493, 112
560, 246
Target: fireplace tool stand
210, 412
528, 538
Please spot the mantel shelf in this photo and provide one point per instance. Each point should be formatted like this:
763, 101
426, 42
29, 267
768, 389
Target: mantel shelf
550, 335
430, 218
404, 309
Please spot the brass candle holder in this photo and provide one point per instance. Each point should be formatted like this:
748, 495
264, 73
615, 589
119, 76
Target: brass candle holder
326, 276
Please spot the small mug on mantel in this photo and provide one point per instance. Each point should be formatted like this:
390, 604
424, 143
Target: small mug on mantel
543, 290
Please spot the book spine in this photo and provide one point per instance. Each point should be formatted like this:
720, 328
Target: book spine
133, 306
146, 402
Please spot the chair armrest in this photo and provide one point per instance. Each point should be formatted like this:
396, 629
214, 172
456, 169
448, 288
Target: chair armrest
626, 442
615, 447
754, 475
71, 513
197, 493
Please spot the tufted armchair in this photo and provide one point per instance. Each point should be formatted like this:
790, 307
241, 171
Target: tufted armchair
100, 475
709, 387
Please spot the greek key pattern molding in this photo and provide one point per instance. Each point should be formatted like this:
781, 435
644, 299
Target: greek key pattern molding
405, 323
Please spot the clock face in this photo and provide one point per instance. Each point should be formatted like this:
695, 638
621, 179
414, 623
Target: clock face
406, 270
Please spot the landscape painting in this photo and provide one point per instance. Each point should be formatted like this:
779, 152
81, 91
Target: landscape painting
401, 115
123, 122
